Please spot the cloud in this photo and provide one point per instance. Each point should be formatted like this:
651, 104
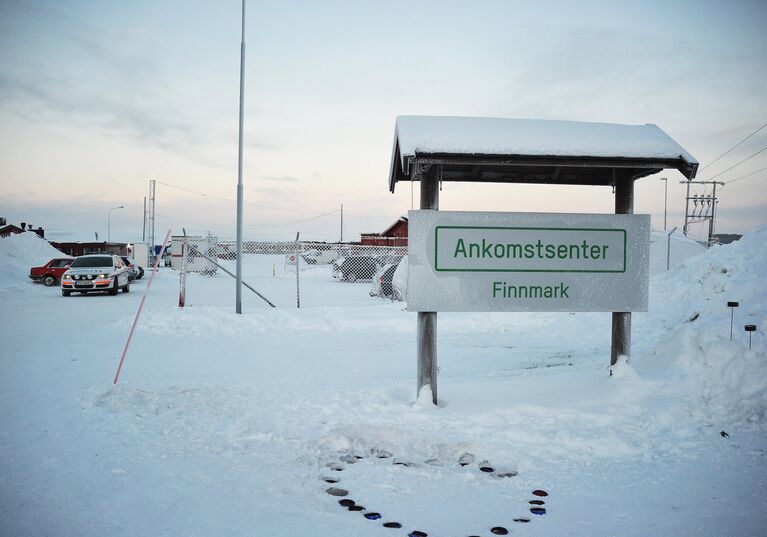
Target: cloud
95, 81
148, 122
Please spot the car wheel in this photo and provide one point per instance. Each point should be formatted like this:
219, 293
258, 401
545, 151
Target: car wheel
113, 290
49, 280
65, 292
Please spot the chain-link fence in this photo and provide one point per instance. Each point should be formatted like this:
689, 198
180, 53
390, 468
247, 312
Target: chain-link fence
288, 274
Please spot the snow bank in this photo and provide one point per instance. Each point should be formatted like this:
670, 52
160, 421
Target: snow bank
19, 253
722, 380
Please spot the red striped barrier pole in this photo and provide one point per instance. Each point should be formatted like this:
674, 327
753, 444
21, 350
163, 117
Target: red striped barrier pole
141, 305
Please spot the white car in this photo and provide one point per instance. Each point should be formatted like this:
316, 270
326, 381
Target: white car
96, 273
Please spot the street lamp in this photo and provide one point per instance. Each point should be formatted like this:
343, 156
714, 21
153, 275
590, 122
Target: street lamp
665, 200
109, 221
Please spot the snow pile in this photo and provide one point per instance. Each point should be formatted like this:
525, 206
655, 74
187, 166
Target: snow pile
722, 380
703, 285
19, 253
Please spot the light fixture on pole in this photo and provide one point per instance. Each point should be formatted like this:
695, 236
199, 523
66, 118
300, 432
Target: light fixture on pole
109, 221
665, 200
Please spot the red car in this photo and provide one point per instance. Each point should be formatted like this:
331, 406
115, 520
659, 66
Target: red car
50, 273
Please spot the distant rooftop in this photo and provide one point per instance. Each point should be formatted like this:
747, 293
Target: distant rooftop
534, 150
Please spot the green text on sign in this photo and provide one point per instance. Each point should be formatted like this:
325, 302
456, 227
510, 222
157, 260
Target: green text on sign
529, 249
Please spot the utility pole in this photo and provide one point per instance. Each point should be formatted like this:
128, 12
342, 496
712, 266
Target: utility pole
342, 222
703, 208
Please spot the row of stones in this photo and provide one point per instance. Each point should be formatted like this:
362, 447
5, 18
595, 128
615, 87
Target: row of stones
464, 460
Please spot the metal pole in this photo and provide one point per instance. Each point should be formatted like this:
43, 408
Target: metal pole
665, 201
621, 323
686, 209
668, 249
427, 320
298, 267
238, 298
732, 305
342, 222
182, 276
143, 228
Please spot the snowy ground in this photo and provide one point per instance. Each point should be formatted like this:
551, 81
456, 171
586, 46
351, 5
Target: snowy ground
224, 424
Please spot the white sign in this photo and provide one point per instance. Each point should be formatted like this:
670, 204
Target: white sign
482, 261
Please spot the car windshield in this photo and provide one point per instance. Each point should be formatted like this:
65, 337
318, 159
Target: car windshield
97, 261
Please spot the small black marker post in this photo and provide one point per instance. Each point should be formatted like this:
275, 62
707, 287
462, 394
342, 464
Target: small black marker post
750, 328
732, 306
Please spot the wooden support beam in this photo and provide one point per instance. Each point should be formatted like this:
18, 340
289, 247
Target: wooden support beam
427, 320
621, 322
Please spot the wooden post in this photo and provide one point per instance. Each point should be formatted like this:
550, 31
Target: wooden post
621, 326
427, 320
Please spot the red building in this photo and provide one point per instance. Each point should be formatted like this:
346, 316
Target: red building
394, 235
76, 249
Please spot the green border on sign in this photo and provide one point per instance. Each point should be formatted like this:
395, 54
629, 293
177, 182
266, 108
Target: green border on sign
436, 248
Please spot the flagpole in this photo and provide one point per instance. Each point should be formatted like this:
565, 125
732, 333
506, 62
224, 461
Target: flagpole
238, 299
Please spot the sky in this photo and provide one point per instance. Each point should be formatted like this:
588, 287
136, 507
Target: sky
99, 98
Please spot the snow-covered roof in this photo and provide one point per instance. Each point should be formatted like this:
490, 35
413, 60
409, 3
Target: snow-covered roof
395, 224
520, 139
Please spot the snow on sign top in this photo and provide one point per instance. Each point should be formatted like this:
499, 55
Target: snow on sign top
533, 137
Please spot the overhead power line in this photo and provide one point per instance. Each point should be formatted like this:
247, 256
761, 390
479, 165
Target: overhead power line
293, 223
738, 164
203, 194
733, 147
744, 176
269, 226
